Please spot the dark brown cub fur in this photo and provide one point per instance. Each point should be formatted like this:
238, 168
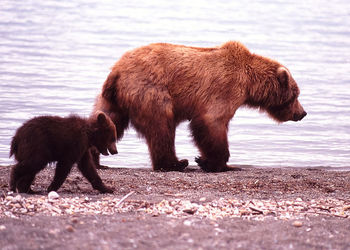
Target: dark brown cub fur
48, 139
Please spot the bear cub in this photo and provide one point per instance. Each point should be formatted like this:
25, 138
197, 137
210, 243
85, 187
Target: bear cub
48, 139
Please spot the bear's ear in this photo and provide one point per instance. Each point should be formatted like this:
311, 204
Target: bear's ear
283, 76
101, 118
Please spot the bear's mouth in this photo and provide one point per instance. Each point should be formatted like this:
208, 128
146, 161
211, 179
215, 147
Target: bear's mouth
104, 151
112, 149
108, 151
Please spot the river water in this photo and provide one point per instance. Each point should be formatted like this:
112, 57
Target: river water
55, 56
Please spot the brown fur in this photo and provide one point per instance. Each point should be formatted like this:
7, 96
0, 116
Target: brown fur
48, 139
155, 87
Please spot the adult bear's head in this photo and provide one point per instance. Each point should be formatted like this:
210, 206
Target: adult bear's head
288, 108
274, 90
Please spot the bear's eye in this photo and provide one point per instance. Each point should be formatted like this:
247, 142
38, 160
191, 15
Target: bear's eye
295, 92
113, 139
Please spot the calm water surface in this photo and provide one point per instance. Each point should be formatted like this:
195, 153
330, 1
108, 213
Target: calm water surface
55, 56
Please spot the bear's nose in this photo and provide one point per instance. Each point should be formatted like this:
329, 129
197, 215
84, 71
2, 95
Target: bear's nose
303, 115
299, 117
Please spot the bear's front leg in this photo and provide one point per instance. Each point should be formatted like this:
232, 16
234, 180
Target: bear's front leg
88, 169
211, 139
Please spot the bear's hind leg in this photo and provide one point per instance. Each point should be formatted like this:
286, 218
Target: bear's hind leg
211, 139
159, 131
152, 116
161, 145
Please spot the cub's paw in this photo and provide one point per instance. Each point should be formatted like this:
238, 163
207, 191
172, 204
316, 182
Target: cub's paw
105, 189
99, 166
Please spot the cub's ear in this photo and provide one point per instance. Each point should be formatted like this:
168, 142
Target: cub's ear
101, 118
283, 76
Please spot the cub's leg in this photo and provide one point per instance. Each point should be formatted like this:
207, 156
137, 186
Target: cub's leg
211, 139
88, 169
23, 174
15, 176
62, 170
24, 183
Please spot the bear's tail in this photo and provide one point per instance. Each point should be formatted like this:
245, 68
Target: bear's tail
109, 89
14, 146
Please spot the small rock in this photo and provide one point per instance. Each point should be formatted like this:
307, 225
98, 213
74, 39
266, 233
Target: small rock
346, 208
54, 231
191, 241
191, 210
9, 198
74, 220
297, 223
187, 223
17, 198
2, 227
23, 210
53, 195
202, 199
70, 229
16, 205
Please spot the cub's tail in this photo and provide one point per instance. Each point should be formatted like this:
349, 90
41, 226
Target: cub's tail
109, 89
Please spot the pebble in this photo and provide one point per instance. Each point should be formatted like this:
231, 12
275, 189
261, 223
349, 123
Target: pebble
53, 196
17, 198
187, 223
74, 220
70, 229
298, 223
9, 198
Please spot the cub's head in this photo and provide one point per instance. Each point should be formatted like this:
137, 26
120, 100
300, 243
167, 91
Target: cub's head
104, 134
286, 107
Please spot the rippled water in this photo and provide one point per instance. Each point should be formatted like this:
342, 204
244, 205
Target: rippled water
55, 55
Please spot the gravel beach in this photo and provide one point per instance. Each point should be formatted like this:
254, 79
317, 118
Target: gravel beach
255, 208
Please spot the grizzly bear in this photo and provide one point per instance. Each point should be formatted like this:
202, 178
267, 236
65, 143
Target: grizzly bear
48, 139
156, 87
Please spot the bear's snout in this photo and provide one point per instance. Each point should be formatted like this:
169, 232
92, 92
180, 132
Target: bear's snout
299, 117
112, 149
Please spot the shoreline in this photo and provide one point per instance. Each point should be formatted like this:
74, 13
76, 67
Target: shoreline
190, 206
